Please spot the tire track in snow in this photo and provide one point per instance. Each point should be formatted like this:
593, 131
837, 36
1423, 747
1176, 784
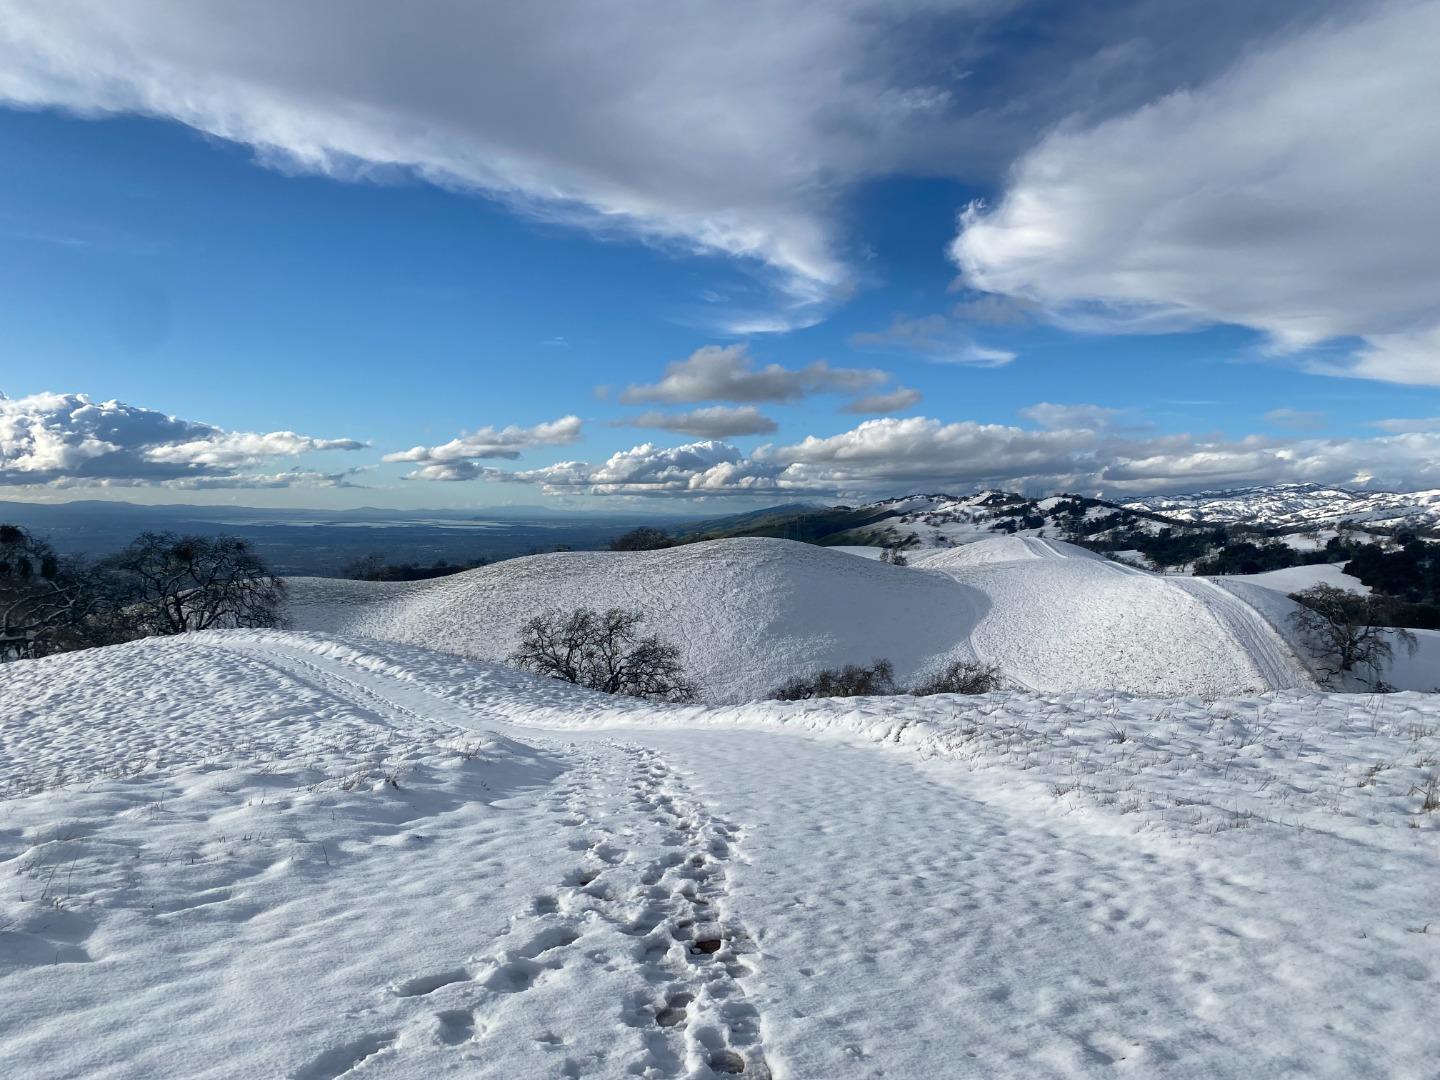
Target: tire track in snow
1276, 662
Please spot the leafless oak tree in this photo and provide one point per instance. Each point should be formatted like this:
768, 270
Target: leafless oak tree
603, 652
1345, 631
176, 584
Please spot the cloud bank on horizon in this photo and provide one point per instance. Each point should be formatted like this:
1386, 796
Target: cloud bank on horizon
1269, 173
68, 440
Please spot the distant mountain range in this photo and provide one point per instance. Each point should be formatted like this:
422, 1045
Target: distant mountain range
938, 520
1299, 506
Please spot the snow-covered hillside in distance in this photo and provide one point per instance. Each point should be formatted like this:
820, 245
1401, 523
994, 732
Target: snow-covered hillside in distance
286, 855
1293, 579
749, 613
942, 521
1299, 506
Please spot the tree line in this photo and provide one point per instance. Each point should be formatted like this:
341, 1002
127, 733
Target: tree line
160, 583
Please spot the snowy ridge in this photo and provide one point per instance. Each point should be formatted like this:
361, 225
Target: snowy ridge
749, 613
1061, 616
1298, 506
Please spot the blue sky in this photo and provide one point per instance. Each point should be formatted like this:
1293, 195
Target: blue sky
460, 281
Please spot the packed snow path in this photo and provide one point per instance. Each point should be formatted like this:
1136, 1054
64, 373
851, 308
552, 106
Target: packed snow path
1269, 652
394, 880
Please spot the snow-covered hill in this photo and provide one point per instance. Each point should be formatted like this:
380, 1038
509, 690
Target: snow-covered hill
749, 613
259, 854
746, 613
1299, 506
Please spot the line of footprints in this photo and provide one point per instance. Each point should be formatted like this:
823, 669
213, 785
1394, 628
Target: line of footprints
696, 1021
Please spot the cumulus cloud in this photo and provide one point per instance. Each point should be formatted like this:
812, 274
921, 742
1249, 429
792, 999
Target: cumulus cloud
457, 459
713, 422
1292, 194
888, 456
68, 439
696, 469
887, 401
934, 338
730, 373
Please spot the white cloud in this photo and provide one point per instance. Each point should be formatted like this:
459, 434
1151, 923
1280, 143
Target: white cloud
1292, 194
696, 469
68, 439
720, 126
713, 422
1296, 419
729, 373
934, 338
1049, 415
890, 456
887, 401
1402, 426
456, 459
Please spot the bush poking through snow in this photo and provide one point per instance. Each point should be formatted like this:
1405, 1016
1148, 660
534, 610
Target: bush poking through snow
962, 677
603, 652
852, 680
1345, 632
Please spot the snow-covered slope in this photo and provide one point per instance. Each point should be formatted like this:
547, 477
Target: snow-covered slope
748, 613
279, 855
1298, 506
1297, 578
1061, 616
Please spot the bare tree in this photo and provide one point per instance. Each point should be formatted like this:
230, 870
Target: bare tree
603, 652
176, 584
48, 602
1345, 631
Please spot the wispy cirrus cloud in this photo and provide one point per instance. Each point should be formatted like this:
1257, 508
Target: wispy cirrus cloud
934, 338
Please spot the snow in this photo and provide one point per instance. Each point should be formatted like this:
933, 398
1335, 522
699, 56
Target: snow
749, 613
1298, 578
1305, 506
865, 551
285, 854
1063, 617
1419, 670
746, 613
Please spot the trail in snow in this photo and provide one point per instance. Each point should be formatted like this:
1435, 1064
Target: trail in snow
359, 847
698, 1012
1275, 660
